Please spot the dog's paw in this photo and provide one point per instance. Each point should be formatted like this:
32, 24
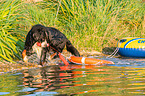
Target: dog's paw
24, 56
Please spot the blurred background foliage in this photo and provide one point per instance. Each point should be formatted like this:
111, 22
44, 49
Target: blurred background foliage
89, 24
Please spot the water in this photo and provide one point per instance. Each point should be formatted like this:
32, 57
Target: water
126, 77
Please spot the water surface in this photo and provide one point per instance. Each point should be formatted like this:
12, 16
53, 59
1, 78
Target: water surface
125, 77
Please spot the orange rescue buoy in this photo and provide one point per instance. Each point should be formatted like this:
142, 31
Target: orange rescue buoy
84, 60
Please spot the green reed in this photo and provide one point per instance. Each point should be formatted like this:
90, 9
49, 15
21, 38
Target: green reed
89, 24
95, 24
17, 17
9, 40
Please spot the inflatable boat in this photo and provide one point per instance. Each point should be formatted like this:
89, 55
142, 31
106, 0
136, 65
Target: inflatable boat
131, 47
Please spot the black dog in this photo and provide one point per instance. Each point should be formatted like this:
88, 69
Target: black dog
41, 39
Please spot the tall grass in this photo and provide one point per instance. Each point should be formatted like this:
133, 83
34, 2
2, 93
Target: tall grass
89, 24
17, 17
95, 24
36, 14
10, 42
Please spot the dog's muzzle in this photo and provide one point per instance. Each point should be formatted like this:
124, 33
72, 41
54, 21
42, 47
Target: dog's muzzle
24, 56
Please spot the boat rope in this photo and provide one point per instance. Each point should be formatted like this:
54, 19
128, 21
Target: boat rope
114, 53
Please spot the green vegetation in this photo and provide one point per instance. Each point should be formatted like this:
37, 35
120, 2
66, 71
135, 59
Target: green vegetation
89, 24
10, 41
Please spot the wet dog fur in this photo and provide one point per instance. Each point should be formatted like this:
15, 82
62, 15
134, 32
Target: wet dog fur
46, 35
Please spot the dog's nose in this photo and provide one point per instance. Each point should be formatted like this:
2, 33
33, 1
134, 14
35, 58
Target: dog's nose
24, 56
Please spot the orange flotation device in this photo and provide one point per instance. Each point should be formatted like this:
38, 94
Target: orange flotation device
84, 60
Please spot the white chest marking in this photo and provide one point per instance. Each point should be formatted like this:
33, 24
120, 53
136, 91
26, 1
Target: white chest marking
37, 49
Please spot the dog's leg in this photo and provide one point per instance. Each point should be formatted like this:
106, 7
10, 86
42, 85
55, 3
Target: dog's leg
24, 56
71, 48
43, 56
52, 56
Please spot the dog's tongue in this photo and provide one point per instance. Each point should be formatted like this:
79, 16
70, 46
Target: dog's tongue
38, 44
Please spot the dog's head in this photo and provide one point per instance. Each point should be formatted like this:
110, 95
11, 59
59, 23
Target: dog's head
37, 34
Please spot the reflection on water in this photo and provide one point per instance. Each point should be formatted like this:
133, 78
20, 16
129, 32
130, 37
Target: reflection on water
123, 78
47, 78
56, 78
